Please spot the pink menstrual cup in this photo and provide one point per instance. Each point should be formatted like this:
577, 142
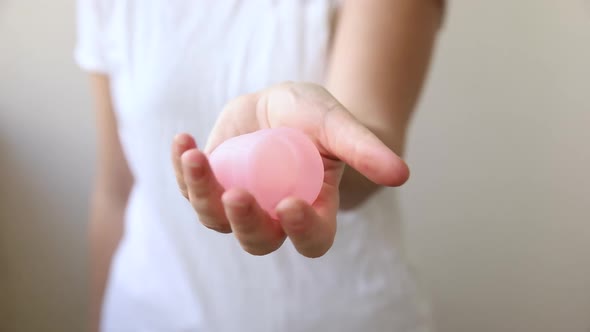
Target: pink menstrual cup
271, 164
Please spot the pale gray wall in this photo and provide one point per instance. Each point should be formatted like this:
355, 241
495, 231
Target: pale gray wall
498, 208
498, 216
46, 157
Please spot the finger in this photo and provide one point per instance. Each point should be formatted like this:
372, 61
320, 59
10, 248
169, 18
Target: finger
238, 117
336, 131
257, 233
311, 234
204, 191
182, 142
358, 147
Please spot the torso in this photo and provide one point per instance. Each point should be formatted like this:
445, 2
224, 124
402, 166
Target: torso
174, 65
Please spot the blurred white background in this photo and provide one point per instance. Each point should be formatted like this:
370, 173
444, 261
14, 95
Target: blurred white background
497, 210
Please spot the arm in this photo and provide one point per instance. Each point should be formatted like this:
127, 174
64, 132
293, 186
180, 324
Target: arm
379, 60
112, 186
380, 56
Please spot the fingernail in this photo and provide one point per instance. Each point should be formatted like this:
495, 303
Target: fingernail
294, 214
194, 164
180, 139
240, 207
197, 168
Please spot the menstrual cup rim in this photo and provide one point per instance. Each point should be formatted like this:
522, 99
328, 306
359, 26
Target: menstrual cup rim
300, 161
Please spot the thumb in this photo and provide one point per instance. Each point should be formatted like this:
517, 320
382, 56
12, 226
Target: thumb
348, 140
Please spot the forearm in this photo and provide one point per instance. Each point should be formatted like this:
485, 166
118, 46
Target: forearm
105, 232
378, 64
114, 181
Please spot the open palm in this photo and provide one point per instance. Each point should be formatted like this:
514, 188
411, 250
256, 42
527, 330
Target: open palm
339, 137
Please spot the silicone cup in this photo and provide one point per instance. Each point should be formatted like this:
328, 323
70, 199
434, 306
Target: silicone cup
271, 164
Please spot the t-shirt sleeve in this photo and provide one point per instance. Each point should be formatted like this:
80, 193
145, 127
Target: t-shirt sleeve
89, 52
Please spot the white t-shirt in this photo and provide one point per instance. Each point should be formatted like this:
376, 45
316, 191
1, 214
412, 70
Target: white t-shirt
173, 64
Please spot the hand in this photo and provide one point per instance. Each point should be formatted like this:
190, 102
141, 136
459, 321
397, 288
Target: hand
339, 137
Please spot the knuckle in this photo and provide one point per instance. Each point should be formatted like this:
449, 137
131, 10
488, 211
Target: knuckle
181, 186
184, 192
205, 187
213, 220
288, 85
239, 103
203, 206
199, 180
246, 227
299, 229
